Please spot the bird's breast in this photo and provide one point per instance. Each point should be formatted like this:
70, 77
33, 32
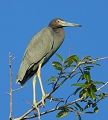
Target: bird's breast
58, 38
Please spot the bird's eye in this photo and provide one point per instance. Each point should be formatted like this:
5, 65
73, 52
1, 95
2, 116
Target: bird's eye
58, 21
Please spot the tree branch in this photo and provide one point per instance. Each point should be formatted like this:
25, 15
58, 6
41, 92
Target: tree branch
56, 87
11, 58
102, 86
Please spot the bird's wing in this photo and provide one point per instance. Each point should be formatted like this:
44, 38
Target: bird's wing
39, 46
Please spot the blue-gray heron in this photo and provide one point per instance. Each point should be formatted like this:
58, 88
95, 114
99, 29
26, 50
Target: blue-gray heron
39, 50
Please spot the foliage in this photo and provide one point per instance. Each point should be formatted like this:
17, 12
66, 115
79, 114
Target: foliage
86, 87
87, 90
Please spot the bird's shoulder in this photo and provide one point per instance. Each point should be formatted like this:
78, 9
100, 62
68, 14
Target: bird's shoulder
40, 44
43, 36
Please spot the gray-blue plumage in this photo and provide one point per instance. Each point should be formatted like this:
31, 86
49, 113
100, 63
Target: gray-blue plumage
41, 47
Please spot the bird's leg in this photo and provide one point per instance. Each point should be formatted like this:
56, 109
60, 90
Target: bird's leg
34, 96
40, 81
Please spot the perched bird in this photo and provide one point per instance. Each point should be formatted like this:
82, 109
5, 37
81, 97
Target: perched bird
39, 50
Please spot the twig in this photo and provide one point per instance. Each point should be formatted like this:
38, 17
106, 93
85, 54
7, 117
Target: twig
70, 48
29, 111
16, 89
7, 93
58, 78
43, 113
58, 104
19, 88
68, 97
11, 58
28, 103
69, 54
52, 110
102, 86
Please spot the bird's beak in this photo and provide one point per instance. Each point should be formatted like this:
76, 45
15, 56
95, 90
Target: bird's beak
64, 24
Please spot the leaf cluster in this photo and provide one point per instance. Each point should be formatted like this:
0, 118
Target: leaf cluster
86, 86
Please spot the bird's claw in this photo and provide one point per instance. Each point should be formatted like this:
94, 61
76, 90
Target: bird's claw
43, 100
44, 97
38, 110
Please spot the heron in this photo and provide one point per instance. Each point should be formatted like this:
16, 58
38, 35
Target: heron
39, 50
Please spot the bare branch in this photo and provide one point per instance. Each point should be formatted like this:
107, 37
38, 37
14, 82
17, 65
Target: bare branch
19, 88
102, 86
7, 93
28, 103
10, 70
16, 89
70, 48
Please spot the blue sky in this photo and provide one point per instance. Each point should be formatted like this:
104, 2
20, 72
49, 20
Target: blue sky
21, 19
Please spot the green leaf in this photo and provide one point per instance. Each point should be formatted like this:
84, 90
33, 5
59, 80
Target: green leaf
101, 96
53, 78
87, 76
91, 93
96, 110
62, 114
62, 108
94, 88
57, 65
80, 84
97, 82
73, 58
88, 67
85, 95
58, 68
87, 58
87, 105
82, 92
59, 56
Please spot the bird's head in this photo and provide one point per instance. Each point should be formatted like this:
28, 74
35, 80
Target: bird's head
59, 23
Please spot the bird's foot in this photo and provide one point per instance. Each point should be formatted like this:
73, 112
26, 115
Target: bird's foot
43, 99
44, 96
38, 110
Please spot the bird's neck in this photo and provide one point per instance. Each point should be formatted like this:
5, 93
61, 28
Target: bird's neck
59, 32
57, 29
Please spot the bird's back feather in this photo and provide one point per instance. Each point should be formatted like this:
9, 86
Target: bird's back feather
39, 46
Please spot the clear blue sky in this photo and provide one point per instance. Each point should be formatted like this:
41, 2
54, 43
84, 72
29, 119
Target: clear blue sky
21, 19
